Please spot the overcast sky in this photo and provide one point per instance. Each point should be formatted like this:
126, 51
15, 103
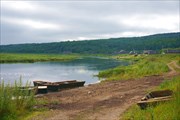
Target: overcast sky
54, 21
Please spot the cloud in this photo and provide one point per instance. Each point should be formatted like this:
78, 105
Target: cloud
50, 21
150, 21
167, 22
32, 23
19, 5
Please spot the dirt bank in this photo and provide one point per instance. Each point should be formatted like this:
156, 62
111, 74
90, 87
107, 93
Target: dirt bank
104, 101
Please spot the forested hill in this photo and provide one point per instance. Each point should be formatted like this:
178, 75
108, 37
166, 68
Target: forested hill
104, 46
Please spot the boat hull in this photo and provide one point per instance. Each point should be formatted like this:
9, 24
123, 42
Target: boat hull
68, 85
55, 86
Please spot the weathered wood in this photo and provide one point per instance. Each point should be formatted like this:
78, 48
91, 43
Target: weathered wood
52, 87
154, 98
153, 101
161, 93
42, 90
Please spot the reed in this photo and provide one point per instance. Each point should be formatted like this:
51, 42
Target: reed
14, 102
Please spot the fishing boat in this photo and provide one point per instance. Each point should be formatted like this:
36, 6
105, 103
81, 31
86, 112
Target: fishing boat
51, 86
55, 86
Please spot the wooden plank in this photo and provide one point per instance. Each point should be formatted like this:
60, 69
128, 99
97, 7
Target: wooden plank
153, 101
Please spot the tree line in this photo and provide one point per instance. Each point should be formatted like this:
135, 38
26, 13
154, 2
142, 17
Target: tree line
99, 46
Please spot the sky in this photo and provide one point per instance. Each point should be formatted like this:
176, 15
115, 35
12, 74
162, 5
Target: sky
54, 21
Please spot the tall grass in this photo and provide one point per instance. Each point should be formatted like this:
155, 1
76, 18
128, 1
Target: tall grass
14, 102
144, 66
164, 111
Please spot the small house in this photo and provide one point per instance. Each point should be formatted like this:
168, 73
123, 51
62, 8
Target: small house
172, 51
122, 52
132, 53
149, 52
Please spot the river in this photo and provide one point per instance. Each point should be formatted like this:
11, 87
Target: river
80, 69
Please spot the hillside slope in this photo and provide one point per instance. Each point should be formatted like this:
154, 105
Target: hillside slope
104, 46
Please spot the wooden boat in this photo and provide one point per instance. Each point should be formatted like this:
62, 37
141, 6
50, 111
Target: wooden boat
52, 87
39, 83
154, 98
55, 86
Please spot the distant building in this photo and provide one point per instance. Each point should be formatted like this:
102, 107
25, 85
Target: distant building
132, 53
149, 52
122, 52
172, 51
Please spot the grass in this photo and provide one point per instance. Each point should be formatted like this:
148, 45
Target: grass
37, 115
30, 58
40, 108
14, 102
164, 111
141, 66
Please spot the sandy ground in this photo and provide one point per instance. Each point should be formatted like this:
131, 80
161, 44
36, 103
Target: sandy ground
103, 101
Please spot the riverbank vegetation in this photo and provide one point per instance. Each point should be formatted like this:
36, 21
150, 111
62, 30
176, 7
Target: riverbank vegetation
18, 102
164, 111
142, 65
30, 58
15, 102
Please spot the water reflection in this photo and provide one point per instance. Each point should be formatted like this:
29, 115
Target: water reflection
80, 69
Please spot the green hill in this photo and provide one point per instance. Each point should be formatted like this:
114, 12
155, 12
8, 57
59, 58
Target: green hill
100, 46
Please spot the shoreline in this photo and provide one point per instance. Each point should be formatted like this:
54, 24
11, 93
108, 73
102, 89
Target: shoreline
106, 100
92, 101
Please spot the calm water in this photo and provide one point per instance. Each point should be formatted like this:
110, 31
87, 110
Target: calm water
80, 69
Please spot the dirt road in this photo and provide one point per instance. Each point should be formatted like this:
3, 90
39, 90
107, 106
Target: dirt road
104, 101
173, 66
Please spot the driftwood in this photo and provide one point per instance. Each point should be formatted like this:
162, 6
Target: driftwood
155, 97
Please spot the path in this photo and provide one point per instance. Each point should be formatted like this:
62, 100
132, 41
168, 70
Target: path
172, 66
